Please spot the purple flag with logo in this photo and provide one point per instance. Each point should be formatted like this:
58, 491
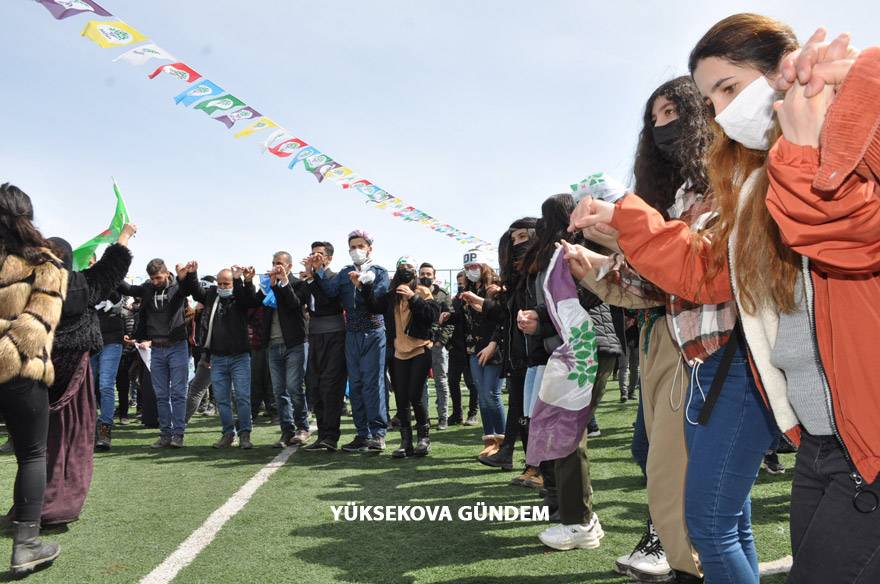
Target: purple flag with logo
65, 8
562, 409
245, 113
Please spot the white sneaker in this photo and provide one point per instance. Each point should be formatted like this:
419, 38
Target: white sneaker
647, 563
569, 537
622, 564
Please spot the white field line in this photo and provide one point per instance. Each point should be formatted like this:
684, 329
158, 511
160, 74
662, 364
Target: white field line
192, 546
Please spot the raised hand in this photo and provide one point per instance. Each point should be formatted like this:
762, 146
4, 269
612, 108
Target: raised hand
472, 299
128, 231
405, 291
802, 117
527, 321
249, 273
493, 290
581, 260
589, 212
181, 270
817, 63
280, 274
237, 272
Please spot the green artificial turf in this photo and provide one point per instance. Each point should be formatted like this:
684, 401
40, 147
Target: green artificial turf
144, 503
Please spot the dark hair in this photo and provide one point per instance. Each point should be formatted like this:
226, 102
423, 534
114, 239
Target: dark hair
326, 245
156, 266
397, 281
659, 176
510, 269
746, 39
550, 228
18, 234
428, 265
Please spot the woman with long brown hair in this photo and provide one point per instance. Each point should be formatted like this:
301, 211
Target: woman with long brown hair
740, 256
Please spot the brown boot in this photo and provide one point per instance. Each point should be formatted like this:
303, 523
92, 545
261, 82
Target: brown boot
244, 441
225, 441
491, 446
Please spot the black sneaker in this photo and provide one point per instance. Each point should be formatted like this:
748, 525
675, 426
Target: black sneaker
357, 445
375, 445
320, 445
772, 464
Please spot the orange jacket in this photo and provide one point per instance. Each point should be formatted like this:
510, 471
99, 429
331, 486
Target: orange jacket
827, 205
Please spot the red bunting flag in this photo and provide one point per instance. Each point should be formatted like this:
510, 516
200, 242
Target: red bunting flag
179, 70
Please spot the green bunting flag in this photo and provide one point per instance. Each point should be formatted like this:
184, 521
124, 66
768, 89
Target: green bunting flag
83, 253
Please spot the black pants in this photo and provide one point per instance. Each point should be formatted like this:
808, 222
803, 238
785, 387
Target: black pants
459, 366
25, 405
326, 376
147, 397
262, 395
408, 378
832, 542
515, 426
123, 382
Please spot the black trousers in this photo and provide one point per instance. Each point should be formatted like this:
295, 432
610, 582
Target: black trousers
832, 542
24, 404
459, 366
262, 394
326, 376
408, 378
123, 382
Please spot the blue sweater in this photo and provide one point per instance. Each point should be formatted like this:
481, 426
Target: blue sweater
358, 316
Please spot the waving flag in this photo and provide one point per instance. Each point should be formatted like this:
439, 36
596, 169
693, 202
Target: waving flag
83, 253
304, 153
203, 90
245, 113
287, 147
258, 126
142, 54
112, 33
562, 409
179, 70
222, 103
65, 8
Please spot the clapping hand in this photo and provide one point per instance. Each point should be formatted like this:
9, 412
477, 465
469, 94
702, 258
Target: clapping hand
405, 291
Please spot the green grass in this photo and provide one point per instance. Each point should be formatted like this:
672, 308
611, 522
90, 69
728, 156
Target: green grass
143, 503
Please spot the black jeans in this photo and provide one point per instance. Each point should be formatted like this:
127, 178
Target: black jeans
408, 378
326, 376
262, 394
832, 542
459, 366
24, 404
515, 426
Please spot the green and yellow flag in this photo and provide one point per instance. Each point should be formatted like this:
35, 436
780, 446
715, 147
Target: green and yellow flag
83, 253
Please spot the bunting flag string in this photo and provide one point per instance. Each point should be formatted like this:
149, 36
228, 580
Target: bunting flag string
212, 99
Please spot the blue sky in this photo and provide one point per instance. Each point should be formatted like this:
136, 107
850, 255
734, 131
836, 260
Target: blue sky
474, 112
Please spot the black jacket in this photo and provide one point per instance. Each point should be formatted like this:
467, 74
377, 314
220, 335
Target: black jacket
290, 299
325, 313
79, 329
112, 322
165, 304
229, 335
424, 314
608, 323
503, 309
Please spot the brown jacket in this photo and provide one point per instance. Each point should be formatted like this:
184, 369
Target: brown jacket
30, 307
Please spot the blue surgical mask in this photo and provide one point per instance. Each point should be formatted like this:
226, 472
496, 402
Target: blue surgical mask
224, 292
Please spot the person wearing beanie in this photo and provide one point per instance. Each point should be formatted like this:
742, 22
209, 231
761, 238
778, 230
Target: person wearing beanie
365, 338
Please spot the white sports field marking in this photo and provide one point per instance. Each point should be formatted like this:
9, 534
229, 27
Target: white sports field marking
192, 546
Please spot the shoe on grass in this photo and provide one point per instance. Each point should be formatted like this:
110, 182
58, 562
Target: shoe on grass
177, 441
647, 562
359, 444
375, 445
104, 438
772, 465
282, 442
244, 441
301, 437
28, 552
568, 537
534, 480
593, 432
471, 420
320, 446
225, 441
164, 441
442, 424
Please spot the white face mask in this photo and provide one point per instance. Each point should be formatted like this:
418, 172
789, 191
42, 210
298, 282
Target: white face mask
358, 256
749, 117
473, 275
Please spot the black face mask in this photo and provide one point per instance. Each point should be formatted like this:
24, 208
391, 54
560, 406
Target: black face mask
461, 289
519, 250
666, 137
405, 275
426, 282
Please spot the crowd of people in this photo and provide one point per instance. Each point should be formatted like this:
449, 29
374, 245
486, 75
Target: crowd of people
721, 286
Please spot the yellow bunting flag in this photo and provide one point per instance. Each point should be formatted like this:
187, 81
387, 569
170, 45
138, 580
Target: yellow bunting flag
258, 126
112, 33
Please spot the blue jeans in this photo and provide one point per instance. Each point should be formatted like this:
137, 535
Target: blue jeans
287, 368
365, 358
228, 371
487, 378
639, 447
534, 377
169, 368
724, 458
105, 366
